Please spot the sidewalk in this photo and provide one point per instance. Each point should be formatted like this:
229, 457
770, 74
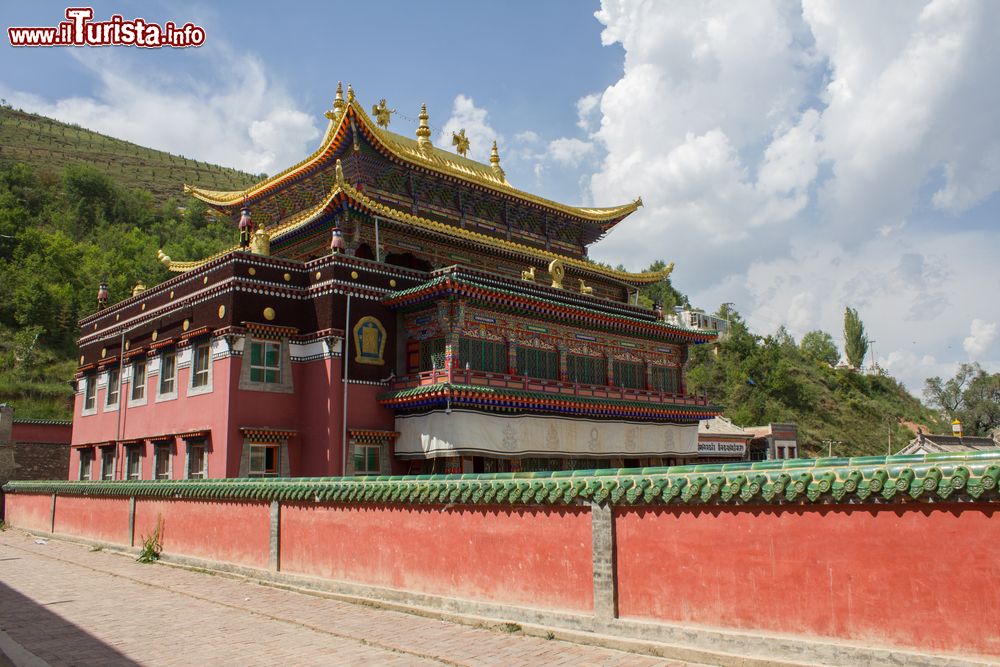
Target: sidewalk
63, 604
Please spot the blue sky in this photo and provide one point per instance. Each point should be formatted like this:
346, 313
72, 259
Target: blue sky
794, 157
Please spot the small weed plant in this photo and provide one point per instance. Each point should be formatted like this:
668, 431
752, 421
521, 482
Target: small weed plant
151, 544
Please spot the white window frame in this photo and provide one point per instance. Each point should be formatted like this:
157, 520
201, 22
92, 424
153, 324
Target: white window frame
129, 449
203, 446
158, 449
172, 394
114, 462
137, 382
207, 387
263, 367
116, 386
89, 384
89, 452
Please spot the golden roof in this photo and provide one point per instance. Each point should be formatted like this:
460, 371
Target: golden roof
409, 151
342, 189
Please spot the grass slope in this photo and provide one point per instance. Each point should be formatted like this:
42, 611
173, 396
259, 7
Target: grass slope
47, 144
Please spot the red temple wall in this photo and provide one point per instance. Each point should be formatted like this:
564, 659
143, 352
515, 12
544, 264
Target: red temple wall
42, 433
94, 518
913, 576
29, 511
531, 556
233, 532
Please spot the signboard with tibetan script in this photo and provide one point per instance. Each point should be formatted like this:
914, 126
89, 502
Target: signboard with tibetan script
721, 448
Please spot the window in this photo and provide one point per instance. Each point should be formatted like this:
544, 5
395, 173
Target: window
90, 393
133, 462
265, 361
630, 374
139, 380
587, 370
667, 380
201, 366
264, 460
107, 462
111, 396
86, 463
366, 460
161, 461
431, 354
197, 461
168, 373
482, 355
538, 363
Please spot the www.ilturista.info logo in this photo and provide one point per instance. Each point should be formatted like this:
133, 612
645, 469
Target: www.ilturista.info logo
80, 30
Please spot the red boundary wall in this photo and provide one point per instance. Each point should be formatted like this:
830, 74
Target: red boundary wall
915, 575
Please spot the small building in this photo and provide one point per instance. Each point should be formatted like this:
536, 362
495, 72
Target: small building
934, 444
722, 441
774, 441
696, 318
32, 448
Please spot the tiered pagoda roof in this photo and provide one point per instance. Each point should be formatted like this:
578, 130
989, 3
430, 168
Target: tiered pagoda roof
295, 203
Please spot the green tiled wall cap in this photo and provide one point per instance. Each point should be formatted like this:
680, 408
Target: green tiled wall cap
935, 477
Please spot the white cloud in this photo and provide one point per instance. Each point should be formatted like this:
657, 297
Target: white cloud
981, 335
466, 115
527, 137
799, 157
570, 151
245, 120
585, 108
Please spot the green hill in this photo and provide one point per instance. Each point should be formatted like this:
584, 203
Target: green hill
47, 144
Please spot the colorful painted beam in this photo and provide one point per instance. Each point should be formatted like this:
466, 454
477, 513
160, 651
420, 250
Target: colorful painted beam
929, 478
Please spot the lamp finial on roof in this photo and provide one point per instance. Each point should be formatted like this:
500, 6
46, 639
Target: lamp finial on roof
424, 129
495, 161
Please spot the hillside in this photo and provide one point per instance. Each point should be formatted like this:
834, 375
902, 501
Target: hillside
46, 144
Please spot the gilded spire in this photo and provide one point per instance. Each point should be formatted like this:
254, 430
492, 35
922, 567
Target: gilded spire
350, 93
424, 130
495, 161
338, 100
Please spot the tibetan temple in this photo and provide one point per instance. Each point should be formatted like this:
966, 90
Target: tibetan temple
391, 308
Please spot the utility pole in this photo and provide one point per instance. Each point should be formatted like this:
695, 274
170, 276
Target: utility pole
829, 444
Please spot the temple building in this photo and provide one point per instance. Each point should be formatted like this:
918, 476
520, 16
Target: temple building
391, 307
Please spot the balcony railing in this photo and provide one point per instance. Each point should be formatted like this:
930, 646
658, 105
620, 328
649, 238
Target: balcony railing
557, 387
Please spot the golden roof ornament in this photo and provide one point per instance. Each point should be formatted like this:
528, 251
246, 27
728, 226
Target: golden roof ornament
382, 113
460, 142
424, 130
163, 258
339, 173
557, 272
338, 103
350, 93
260, 244
495, 162
138, 289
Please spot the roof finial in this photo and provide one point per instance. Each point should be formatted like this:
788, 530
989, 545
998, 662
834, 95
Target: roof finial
460, 142
245, 226
424, 130
261, 242
338, 100
350, 93
495, 161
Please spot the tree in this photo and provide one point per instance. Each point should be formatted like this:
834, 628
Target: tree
972, 397
855, 339
819, 345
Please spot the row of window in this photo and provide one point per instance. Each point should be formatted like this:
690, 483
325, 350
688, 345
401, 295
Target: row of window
196, 462
264, 461
201, 376
491, 356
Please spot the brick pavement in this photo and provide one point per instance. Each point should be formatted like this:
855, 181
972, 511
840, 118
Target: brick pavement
69, 605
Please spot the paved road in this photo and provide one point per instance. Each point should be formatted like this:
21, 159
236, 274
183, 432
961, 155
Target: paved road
63, 604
